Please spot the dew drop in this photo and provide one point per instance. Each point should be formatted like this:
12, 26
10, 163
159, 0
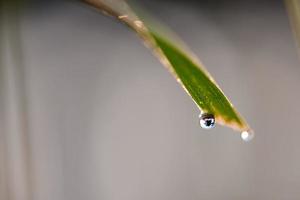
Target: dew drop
247, 135
207, 121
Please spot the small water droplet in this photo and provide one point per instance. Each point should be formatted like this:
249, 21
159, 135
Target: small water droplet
207, 121
247, 135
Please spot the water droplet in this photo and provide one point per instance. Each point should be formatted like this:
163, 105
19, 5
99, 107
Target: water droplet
207, 121
247, 135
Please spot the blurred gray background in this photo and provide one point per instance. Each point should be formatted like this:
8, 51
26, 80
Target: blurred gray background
107, 121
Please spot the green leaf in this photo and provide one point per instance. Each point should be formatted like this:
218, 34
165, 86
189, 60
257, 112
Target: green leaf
293, 8
189, 72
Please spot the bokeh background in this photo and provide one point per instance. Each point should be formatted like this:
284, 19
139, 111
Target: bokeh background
96, 116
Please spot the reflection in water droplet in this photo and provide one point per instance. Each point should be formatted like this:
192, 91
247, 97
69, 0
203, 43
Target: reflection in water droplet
207, 121
247, 135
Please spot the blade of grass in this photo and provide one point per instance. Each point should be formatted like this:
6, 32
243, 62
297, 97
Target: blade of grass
187, 70
293, 8
16, 133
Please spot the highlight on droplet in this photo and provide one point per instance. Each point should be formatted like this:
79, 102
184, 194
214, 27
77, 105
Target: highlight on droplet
247, 135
